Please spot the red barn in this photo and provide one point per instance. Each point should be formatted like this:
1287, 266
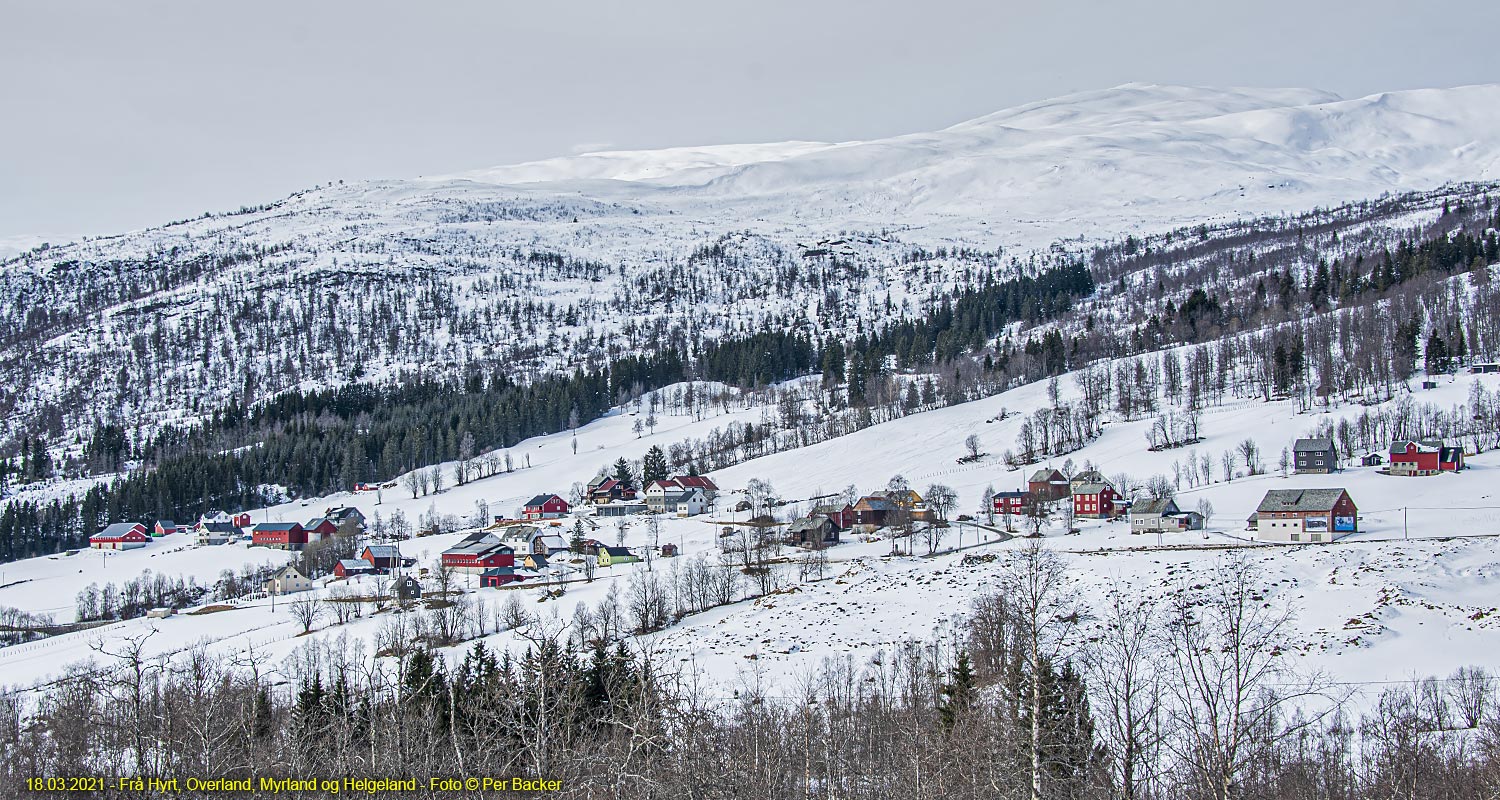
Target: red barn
352, 566
165, 527
241, 520
120, 536
841, 515
1095, 501
545, 506
1425, 457
279, 535
478, 552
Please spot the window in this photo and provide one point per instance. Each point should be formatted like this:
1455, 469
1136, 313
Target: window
1296, 537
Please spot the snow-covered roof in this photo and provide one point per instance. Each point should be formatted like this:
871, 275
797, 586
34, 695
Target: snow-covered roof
1155, 505
1318, 444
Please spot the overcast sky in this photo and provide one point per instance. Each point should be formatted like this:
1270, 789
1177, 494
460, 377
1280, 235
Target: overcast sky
118, 115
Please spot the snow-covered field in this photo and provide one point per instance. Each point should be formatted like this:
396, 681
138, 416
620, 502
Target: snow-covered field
1372, 607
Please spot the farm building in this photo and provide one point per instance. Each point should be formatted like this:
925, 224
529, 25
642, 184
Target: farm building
1048, 485
279, 535
1161, 515
478, 552
1305, 515
120, 536
1412, 457
545, 506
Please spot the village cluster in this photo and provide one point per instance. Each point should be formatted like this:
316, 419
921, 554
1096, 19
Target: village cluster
537, 546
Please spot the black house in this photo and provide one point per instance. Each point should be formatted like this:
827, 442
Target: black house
1317, 456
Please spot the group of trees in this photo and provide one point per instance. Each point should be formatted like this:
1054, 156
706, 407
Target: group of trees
1037, 695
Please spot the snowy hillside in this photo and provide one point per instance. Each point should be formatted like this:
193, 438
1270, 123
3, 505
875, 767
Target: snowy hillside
1372, 607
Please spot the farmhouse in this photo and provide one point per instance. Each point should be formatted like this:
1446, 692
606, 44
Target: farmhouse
1412, 457
812, 532
1048, 485
216, 533
478, 552
604, 490
609, 556
545, 506
1305, 515
545, 544
287, 580
1095, 501
343, 514
120, 536
690, 503
1011, 502
710, 489
1089, 476
320, 529
1314, 456
1160, 515
164, 527
279, 535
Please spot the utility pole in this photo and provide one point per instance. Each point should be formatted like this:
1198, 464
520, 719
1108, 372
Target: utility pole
1405, 532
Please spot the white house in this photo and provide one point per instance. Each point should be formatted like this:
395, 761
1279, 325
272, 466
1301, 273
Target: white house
689, 504
288, 580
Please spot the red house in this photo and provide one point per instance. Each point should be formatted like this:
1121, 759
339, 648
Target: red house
478, 552
279, 535
120, 536
1425, 457
352, 566
1095, 501
164, 527
841, 515
381, 556
545, 506
319, 529
1048, 485
1013, 503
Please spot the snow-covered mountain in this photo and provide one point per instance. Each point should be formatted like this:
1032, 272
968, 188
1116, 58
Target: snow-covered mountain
577, 260
1092, 162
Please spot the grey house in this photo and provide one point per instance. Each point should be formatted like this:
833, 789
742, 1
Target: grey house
1316, 456
1161, 515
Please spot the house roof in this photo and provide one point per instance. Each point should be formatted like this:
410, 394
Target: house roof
272, 527
289, 569
601, 482
808, 524
539, 561
353, 564
165, 523
554, 542
832, 509
1089, 476
1043, 475
543, 499
1299, 500
1398, 447
498, 571
313, 523
341, 513
1317, 444
218, 527
1017, 493
669, 483
873, 503
695, 482
1092, 488
383, 550
480, 545
117, 530
1157, 505
617, 551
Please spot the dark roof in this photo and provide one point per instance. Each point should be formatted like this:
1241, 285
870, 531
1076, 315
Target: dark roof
540, 500
617, 551
874, 503
383, 550
1089, 476
276, 526
166, 523
1043, 475
498, 571
808, 524
1313, 445
695, 482
831, 509
219, 527
1161, 505
1398, 447
1299, 500
539, 561
116, 530
1091, 488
